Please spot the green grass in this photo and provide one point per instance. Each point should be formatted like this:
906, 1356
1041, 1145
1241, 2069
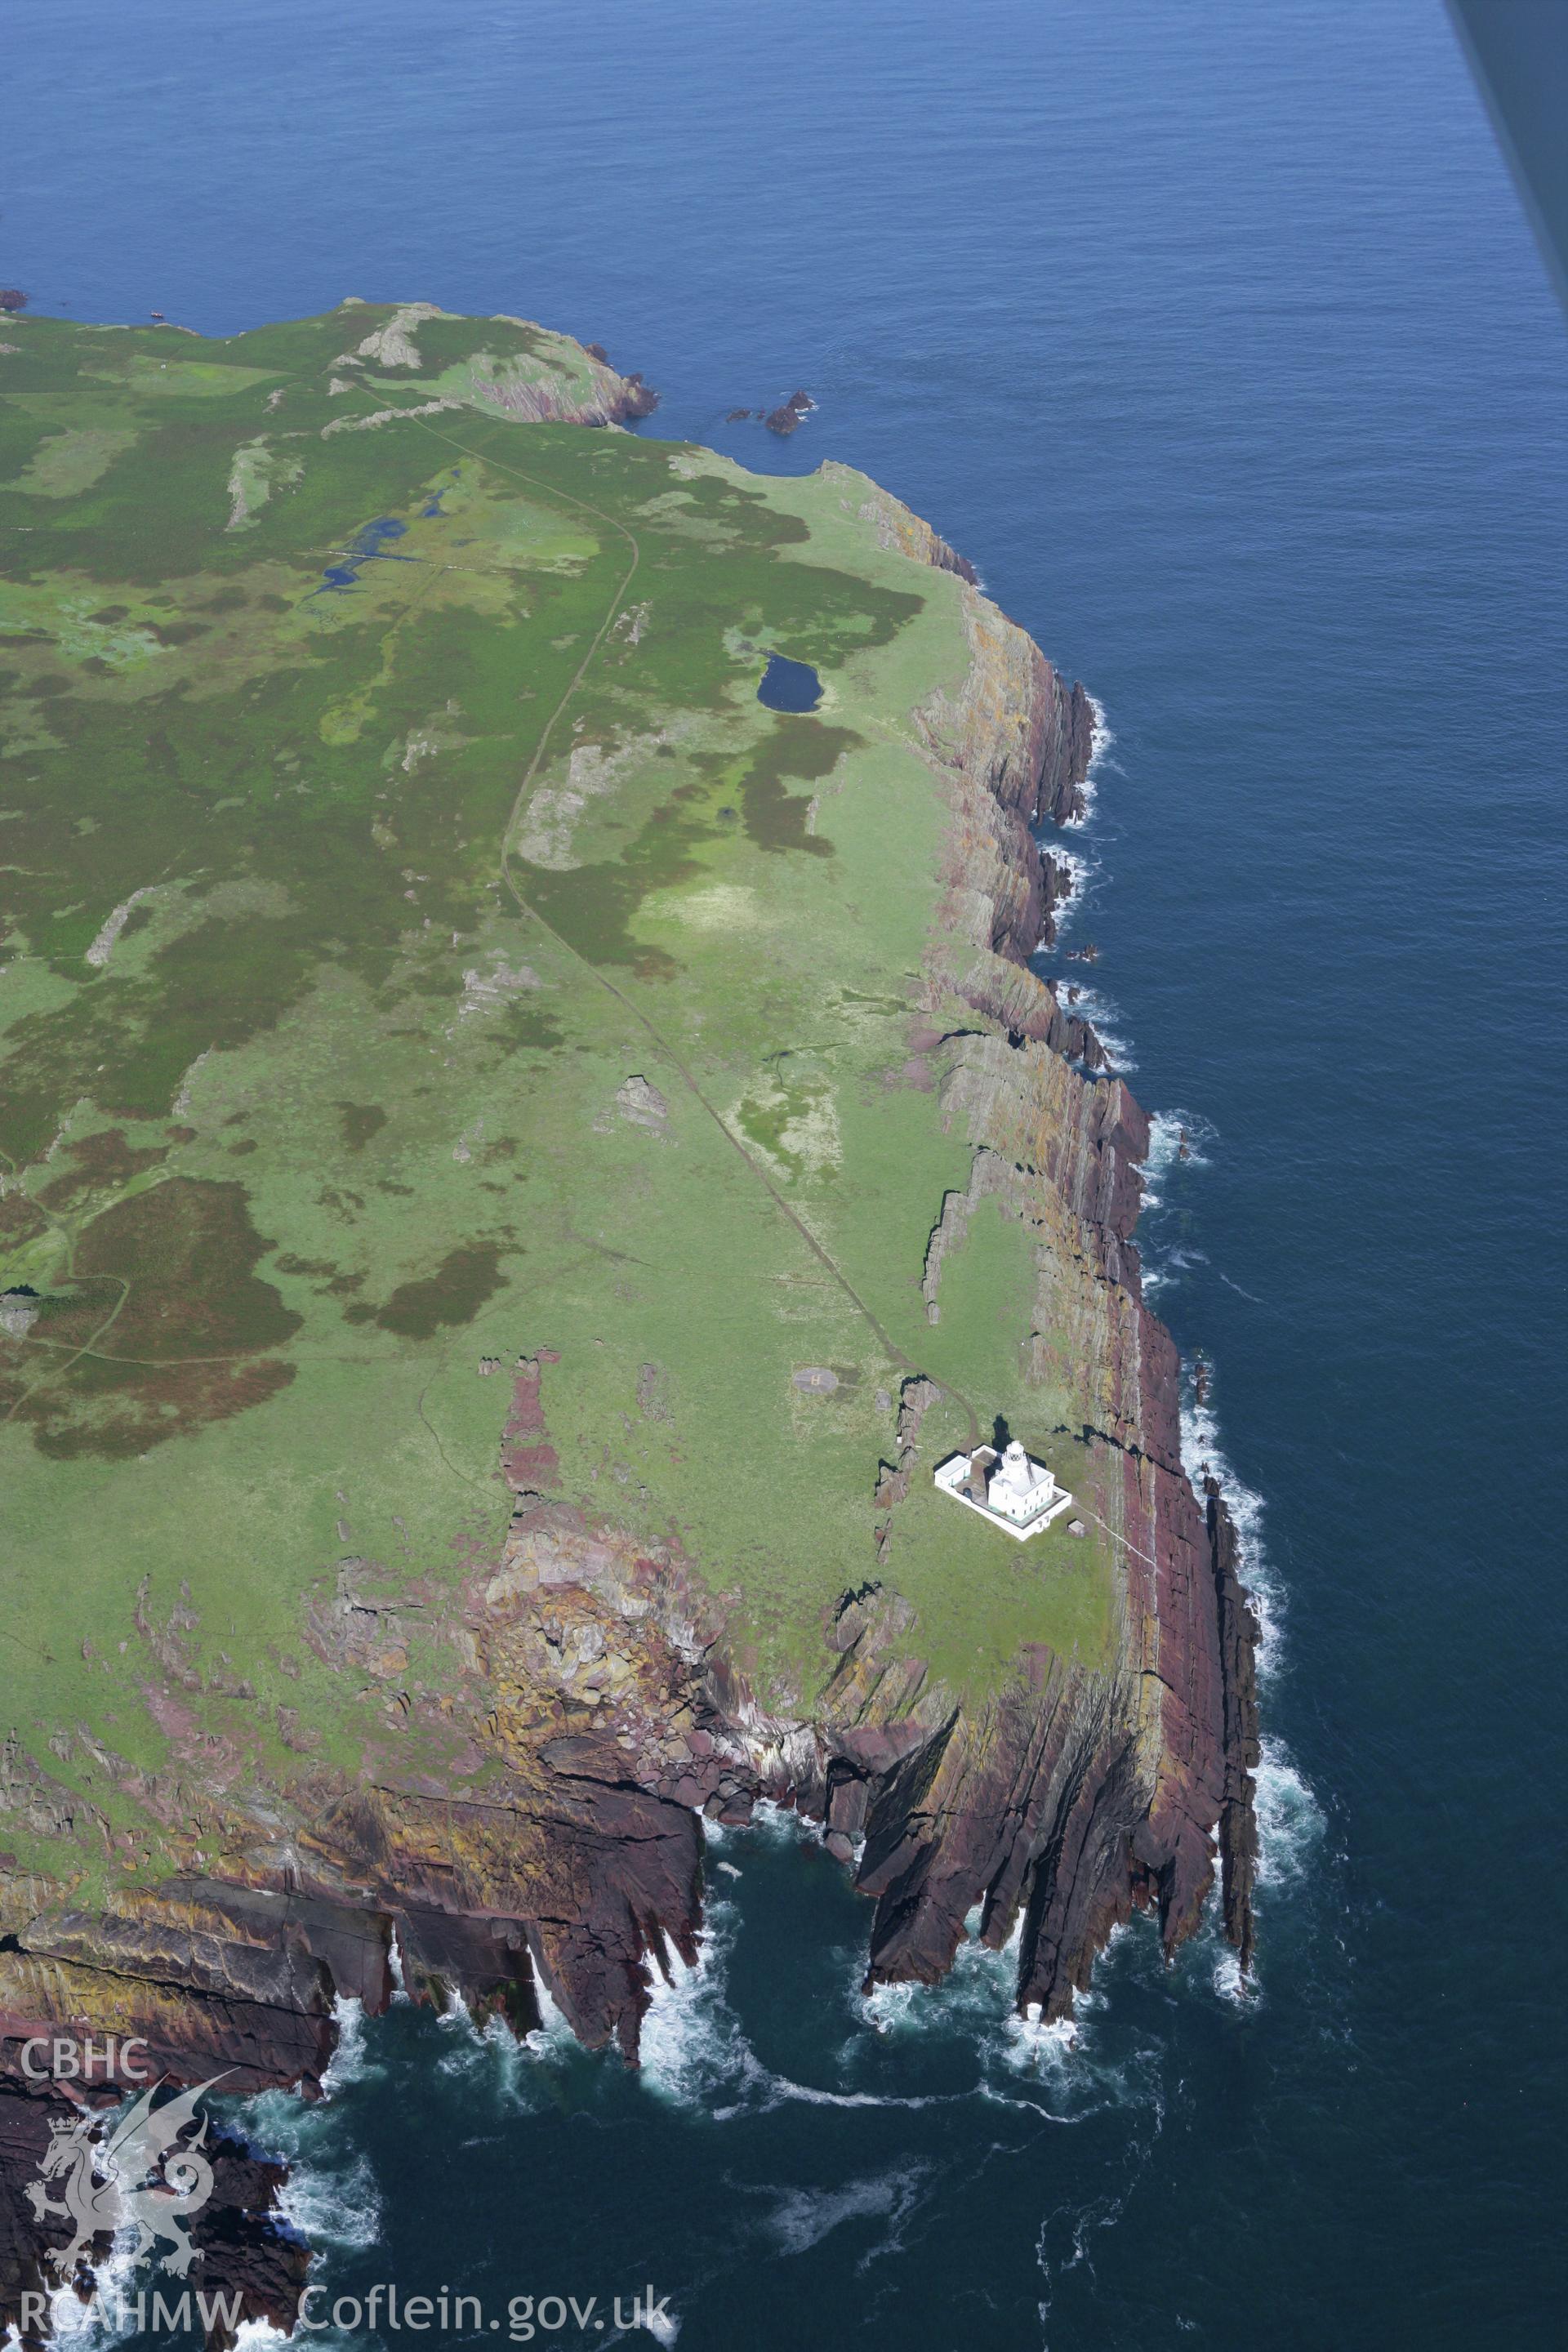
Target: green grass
429, 870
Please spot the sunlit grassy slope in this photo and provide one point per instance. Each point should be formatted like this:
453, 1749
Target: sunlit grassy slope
424, 948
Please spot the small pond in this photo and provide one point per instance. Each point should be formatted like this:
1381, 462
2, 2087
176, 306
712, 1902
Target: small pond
789, 685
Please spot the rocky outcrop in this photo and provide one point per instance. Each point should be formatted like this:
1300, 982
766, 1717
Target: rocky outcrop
635, 398
557, 381
896, 525
785, 419
605, 398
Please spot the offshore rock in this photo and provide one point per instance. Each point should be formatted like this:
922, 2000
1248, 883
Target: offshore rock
785, 419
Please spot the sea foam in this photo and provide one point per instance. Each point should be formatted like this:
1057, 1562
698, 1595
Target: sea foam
109, 2318
1094, 1006
350, 2061
1289, 1818
802, 2217
1167, 1129
1202, 1457
1100, 740
694, 2053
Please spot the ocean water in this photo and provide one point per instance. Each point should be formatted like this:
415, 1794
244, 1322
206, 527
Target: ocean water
1215, 337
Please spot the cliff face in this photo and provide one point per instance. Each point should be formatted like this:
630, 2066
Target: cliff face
1077, 1796
569, 1861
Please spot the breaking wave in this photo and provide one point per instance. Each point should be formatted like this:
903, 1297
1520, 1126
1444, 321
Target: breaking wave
1069, 2070
330, 2198
974, 1997
1203, 1457
695, 2053
1100, 740
350, 2061
1092, 1005
552, 2033
332, 2205
1171, 1267
395, 1965
1081, 868
1290, 1821
694, 2048
1289, 1818
1290, 1827
776, 1824
1083, 871
109, 2318
1177, 1139
501, 2069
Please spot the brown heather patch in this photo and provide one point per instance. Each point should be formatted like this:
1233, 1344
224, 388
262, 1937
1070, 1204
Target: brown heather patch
117, 1410
187, 1249
324, 1273
798, 748
183, 1254
20, 1220
360, 1122
454, 1294
71, 1314
103, 1163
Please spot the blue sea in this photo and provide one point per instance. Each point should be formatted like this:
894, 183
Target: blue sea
1214, 336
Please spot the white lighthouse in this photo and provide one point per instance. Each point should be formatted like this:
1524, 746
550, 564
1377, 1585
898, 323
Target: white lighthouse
1012, 1489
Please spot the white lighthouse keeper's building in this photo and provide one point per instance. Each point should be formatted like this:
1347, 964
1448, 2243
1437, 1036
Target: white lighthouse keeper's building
1011, 1488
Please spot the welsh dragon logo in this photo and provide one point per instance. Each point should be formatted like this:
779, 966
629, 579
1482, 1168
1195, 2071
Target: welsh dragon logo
137, 2177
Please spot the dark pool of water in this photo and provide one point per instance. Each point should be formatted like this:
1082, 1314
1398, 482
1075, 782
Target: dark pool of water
789, 685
